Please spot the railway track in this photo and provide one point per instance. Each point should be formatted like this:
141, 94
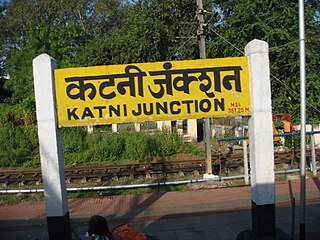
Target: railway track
144, 170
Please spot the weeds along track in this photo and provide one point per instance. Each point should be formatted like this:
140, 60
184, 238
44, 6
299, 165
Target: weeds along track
81, 175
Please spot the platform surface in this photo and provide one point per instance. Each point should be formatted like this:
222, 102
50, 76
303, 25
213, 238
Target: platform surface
218, 213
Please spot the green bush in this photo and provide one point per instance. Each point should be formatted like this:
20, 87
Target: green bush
73, 139
33, 163
18, 136
114, 147
19, 143
168, 143
139, 146
132, 146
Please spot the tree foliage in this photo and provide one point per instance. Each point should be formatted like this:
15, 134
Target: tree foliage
99, 32
4, 93
276, 22
57, 28
152, 30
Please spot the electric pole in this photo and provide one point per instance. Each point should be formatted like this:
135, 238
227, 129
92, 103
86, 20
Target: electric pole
302, 119
202, 47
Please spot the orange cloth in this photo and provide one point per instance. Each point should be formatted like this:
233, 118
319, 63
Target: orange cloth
286, 126
275, 131
275, 139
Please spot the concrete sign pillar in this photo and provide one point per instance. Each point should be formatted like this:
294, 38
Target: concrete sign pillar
261, 140
51, 153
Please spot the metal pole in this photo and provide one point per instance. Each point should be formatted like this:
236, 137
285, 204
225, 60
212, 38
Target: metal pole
293, 210
313, 156
202, 47
245, 162
303, 120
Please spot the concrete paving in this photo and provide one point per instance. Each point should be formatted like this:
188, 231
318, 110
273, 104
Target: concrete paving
218, 214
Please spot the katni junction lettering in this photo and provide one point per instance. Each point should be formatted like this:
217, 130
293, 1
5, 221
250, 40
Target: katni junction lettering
142, 92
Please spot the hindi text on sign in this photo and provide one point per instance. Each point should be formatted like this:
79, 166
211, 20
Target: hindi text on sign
152, 91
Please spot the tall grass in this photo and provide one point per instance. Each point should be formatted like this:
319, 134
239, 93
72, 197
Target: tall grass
18, 136
125, 146
19, 143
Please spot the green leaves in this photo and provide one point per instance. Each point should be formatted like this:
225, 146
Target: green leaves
18, 141
58, 28
103, 32
275, 22
148, 33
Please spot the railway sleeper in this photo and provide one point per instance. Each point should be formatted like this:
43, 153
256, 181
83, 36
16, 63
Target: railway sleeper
98, 179
9, 180
181, 174
147, 171
39, 182
128, 171
148, 175
84, 180
196, 172
163, 175
5, 184
22, 183
103, 170
4, 176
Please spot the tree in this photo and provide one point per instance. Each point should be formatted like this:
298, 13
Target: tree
58, 28
29, 28
4, 94
276, 22
153, 30
98, 32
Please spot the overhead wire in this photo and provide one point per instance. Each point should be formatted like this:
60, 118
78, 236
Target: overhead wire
194, 35
226, 40
290, 90
272, 48
282, 46
242, 52
285, 45
188, 40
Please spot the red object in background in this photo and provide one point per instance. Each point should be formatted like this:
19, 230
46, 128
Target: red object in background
286, 120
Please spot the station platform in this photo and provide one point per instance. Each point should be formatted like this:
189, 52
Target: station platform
215, 213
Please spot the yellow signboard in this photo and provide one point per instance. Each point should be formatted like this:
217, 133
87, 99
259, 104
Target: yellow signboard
152, 91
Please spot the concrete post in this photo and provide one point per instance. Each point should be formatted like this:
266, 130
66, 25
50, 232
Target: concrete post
51, 152
114, 127
192, 129
159, 125
137, 127
261, 140
167, 125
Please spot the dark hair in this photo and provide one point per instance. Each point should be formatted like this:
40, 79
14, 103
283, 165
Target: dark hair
98, 225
